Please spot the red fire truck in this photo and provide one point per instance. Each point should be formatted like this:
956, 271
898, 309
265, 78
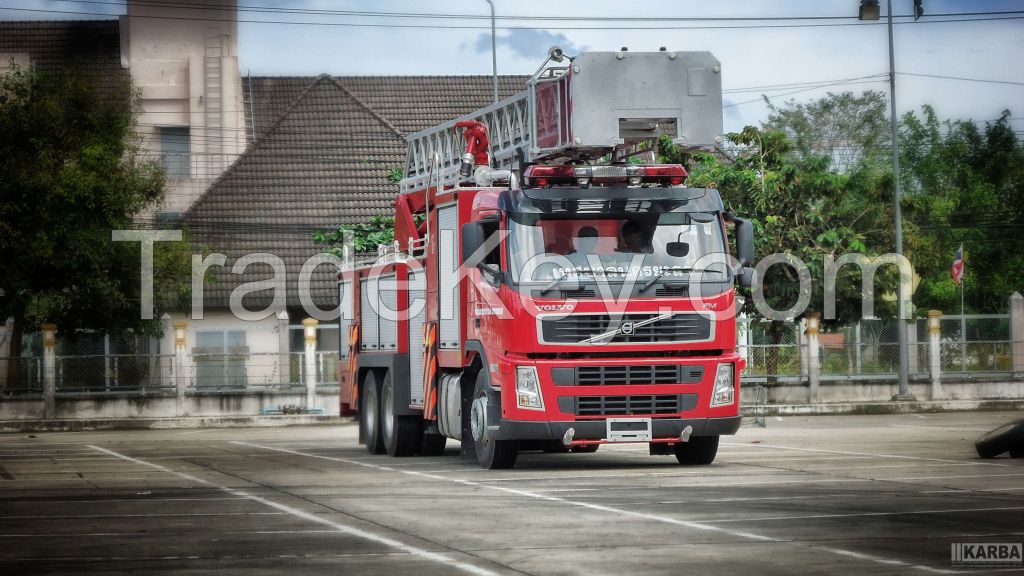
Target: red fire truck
546, 289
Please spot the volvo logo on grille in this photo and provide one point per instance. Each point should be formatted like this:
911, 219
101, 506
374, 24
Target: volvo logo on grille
626, 328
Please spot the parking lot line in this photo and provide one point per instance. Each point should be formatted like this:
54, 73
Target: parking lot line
703, 526
820, 451
860, 514
345, 529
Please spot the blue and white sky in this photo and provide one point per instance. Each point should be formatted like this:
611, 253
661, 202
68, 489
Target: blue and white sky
797, 51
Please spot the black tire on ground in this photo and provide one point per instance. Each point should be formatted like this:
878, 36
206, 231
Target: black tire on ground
492, 454
401, 434
1017, 453
369, 414
1007, 438
586, 448
433, 444
700, 450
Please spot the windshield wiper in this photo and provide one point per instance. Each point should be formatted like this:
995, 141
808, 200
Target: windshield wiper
551, 286
662, 273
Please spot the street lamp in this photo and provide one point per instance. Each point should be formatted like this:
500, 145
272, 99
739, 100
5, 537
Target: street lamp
494, 53
869, 11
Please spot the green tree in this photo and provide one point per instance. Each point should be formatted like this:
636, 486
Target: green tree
70, 173
965, 184
800, 207
846, 127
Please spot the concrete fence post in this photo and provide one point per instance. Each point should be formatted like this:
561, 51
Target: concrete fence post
1017, 334
181, 367
309, 360
935, 353
813, 354
49, 371
284, 365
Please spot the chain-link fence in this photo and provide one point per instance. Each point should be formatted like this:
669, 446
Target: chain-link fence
115, 373
772, 350
970, 346
21, 375
975, 344
245, 371
327, 365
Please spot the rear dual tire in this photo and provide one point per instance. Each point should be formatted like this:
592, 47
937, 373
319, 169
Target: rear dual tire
402, 435
382, 429
370, 414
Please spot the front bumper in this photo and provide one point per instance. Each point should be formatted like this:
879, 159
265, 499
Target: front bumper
662, 428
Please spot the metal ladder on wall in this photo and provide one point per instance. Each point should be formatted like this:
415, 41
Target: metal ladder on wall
213, 53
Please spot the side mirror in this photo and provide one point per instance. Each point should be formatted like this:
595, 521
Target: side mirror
744, 242
746, 277
473, 235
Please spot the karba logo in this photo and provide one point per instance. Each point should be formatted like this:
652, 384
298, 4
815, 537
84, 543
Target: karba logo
556, 307
991, 552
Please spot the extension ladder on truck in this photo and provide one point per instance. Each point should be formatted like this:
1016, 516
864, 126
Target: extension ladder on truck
583, 109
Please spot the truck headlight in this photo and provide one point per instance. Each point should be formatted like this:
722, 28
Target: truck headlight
528, 388
724, 392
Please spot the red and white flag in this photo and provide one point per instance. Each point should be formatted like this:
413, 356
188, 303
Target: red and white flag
956, 271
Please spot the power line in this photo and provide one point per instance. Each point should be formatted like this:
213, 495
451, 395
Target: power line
506, 27
986, 80
468, 16
860, 80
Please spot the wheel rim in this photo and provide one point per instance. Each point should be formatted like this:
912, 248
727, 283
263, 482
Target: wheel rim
370, 405
478, 419
389, 413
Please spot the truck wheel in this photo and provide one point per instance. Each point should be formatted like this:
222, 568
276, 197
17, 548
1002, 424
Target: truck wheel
1006, 438
699, 450
401, 434
369, 414
433, 444
492, 454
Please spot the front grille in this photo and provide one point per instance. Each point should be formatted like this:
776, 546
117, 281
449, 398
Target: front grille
582, 293
649, 374
647, 405
631, 328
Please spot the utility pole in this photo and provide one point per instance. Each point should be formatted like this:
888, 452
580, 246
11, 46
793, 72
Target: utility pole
494, 53
869, 11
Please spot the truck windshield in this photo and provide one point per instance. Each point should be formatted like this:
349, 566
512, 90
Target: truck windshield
645, 247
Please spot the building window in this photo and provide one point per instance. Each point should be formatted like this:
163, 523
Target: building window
219, 358
174, 153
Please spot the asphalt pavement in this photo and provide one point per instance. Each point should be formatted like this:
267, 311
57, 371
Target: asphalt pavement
806, 495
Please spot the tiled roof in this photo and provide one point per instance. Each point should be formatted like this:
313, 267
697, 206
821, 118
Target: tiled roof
93, 46
322, 151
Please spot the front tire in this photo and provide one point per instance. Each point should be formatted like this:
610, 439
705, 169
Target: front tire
491, 454
699, 451
369, 414
401, 434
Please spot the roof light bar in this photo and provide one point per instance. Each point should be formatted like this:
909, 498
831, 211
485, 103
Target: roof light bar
539, 176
